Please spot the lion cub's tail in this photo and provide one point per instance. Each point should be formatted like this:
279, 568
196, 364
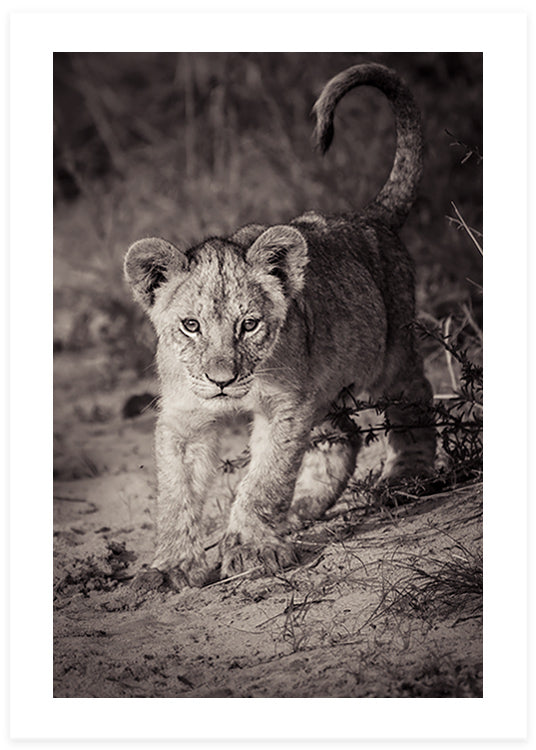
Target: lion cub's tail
393, 202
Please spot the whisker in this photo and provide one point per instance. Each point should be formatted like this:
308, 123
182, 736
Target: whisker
265, 370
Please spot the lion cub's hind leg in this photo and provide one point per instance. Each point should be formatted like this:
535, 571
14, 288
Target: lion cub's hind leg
411, 440
326, 468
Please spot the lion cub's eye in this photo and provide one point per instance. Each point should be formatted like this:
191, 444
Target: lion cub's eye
250, 324
191, 325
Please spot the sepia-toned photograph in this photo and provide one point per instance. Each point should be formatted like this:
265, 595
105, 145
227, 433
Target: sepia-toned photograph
268, 375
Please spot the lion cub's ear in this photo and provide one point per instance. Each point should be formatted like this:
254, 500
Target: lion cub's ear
247, 234
149, 263
282, 252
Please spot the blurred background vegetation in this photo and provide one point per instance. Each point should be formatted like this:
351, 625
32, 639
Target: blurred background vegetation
188, 145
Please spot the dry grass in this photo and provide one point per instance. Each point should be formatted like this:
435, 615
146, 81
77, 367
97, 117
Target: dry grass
434, 588
187, 146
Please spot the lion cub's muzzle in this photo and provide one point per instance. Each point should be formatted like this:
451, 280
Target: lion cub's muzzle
221, 373
222, 381
234, 389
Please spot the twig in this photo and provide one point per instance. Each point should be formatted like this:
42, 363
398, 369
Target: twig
469, 150
452, 491
406, 494
292, 606
468, 229
474, 283
235, 577
448, 355
470, 319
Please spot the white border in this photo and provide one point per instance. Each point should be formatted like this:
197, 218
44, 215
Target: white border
502, 713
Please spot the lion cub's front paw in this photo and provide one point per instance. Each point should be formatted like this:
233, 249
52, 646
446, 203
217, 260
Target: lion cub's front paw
147, 580
270, 555
195, 576
175, 578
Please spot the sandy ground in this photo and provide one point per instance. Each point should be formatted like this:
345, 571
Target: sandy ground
380, 606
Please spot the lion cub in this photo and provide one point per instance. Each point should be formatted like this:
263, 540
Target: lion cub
276, 321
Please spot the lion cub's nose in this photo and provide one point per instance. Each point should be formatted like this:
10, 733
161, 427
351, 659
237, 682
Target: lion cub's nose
221, 375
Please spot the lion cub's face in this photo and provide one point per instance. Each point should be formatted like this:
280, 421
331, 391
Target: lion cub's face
219, 307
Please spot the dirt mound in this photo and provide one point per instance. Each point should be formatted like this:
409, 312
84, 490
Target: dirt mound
386, 603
